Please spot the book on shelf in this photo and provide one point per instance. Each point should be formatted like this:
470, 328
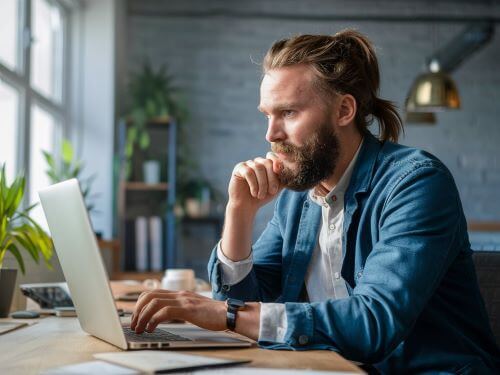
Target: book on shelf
148, 243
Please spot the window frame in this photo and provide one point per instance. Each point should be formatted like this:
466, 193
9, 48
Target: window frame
19, 78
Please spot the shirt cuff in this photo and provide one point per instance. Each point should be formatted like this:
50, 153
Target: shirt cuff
273, 322
233, 272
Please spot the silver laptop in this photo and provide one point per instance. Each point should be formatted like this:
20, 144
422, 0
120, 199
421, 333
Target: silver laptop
83, 268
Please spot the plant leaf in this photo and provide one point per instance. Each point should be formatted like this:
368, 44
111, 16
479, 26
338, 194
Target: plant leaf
144, 140
67, 151
14, 250
49, 159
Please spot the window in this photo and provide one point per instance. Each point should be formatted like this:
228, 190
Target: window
33, 103
46, 49
9, 31
9, 106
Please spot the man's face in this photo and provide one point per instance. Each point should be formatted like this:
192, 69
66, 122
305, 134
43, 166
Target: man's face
300, 126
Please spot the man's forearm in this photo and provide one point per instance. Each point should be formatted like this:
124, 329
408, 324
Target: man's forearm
236, 241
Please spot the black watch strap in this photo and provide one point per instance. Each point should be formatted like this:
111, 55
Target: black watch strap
233, 305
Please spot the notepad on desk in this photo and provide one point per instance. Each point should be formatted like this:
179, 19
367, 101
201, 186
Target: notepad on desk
151, 361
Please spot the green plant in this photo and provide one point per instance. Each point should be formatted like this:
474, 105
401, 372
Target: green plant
152, 96
17, 230
66, 167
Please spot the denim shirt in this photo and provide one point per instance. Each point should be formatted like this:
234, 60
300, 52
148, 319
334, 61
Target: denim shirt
414, 304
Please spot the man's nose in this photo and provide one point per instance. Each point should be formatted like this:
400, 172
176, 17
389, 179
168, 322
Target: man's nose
275, 130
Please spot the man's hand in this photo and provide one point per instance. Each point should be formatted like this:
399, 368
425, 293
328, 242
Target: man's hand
159, 305
255, 182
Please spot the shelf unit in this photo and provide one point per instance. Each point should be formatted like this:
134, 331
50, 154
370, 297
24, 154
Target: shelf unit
164, 191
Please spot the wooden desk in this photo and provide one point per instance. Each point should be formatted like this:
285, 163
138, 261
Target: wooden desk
53, 342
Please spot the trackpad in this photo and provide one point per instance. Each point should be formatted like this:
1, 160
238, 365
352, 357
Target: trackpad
199, 334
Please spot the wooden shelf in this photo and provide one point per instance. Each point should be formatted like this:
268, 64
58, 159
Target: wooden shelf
163, 186
484, 226
137, 198
154, 122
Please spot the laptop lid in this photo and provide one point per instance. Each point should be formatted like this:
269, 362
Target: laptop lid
81, 262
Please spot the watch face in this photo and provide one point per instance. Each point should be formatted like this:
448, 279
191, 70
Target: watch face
235, 302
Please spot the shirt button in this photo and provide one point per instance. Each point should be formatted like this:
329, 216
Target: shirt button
303, 339
332, 227
334, 198
336, 275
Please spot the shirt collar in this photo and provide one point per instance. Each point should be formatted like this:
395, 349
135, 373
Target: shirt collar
340, 188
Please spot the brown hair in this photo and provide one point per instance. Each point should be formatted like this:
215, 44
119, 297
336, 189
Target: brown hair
344, 63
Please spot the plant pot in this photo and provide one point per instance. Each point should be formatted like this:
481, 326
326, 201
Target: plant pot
151, 171
7, 285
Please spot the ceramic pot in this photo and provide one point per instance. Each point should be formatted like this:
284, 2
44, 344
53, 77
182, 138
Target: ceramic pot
7, 285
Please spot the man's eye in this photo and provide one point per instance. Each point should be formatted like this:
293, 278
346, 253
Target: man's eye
288, 113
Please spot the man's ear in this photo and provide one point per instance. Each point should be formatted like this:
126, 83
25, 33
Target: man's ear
346, 110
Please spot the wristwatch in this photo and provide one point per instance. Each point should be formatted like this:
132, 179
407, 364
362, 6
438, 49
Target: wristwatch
233, 305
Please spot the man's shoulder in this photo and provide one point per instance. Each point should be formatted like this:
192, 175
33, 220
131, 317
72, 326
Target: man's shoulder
398, 161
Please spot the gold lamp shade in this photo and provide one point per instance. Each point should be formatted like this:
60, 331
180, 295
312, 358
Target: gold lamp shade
433, 92
421, 118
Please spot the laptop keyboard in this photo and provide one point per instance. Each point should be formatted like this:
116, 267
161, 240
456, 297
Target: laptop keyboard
158, 335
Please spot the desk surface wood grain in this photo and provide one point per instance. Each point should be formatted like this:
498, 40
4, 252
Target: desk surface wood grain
53, 342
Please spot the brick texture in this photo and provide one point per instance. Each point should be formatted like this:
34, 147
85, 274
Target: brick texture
214, 59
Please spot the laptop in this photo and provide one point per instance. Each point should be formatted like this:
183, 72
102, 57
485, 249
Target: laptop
83, 268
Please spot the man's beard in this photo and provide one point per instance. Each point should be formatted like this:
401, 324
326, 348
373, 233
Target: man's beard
315, 160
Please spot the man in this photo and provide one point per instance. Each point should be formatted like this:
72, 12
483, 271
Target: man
367, 252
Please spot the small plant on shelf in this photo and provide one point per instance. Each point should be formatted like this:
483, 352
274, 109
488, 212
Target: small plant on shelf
152, 97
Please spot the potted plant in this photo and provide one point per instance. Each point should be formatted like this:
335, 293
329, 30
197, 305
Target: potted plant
67, 167
152, 97
18, 233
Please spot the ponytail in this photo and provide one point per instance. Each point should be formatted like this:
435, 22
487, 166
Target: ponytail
390, 123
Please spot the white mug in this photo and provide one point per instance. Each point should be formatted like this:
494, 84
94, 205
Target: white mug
179, 279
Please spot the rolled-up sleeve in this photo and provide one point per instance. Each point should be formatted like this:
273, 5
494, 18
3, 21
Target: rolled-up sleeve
233, 272
263, 281
273, 322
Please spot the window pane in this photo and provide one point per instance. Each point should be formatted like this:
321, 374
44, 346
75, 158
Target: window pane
43, 127
9, 24
9, 109
46, 49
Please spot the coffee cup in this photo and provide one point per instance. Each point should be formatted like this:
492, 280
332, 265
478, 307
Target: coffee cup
179, 279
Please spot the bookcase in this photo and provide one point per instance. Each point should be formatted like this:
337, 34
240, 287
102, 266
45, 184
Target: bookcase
137, 200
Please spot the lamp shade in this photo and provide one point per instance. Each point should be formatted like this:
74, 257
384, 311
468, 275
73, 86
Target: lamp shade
420, 118
433, 92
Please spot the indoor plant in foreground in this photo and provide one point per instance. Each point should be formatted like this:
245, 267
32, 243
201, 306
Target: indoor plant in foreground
18, 233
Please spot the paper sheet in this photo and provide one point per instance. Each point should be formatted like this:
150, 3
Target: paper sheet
155, 361
93, 367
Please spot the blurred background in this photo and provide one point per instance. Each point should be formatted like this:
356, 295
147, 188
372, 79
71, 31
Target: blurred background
151, 103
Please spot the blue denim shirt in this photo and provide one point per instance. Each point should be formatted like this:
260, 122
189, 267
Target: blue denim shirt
414, 304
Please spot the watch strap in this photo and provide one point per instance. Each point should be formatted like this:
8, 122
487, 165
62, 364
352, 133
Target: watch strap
233, 305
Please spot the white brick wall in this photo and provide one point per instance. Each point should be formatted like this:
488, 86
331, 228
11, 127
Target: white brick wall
211, 58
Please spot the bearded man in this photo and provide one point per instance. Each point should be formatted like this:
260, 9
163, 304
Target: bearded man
367, 252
